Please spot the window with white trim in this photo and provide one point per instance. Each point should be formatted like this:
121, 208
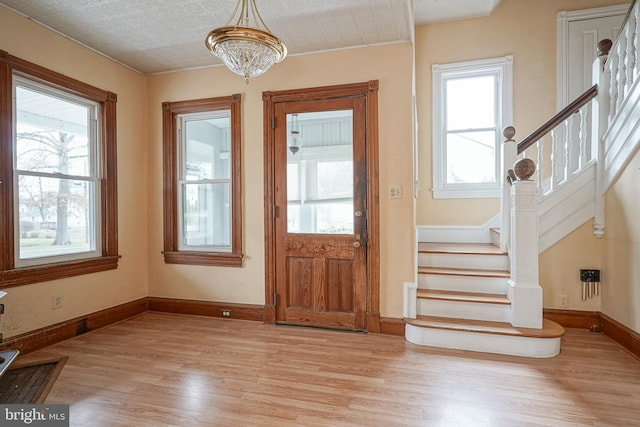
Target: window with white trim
472, 102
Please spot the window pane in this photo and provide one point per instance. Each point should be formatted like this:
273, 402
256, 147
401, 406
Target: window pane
52, 134
471, 157
320, 172
206, 214
56, 216
207, 148
335, 179
470, 102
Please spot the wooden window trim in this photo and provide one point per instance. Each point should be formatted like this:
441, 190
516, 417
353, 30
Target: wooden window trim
172, 254
10, 276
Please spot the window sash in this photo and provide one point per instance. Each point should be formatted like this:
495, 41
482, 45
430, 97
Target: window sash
501, 69
23, 255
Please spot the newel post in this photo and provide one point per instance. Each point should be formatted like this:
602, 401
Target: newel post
509, 156
524, 291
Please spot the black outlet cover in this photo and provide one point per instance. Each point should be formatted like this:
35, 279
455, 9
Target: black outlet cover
589, 275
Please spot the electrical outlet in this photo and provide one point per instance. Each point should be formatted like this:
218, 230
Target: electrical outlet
57, 301
226, 313
395, 192
564, 301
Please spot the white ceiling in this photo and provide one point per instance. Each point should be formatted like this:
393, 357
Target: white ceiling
156, 36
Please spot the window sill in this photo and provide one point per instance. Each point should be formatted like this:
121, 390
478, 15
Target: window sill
204, 258
466, 193
45, 273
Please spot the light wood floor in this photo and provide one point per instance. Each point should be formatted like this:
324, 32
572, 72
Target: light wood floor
172, 370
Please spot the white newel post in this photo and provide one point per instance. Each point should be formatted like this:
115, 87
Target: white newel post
509, 156
525, 292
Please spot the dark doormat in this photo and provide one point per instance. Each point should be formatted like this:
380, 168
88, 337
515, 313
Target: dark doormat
29, 383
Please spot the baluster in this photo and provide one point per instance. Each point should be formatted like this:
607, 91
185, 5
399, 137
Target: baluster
612, 64
621, 74
566, 149
629, 55
555, 159
573, 151
636, 41
584, 137
539, 164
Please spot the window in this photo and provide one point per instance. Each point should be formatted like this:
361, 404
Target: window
202, 205
57, 175
471, 104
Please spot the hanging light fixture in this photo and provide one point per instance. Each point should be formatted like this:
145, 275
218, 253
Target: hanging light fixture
246, 50
296, 135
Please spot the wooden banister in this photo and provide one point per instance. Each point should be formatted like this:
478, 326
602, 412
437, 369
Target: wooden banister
564, 114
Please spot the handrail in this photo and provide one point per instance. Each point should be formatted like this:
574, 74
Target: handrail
560, 117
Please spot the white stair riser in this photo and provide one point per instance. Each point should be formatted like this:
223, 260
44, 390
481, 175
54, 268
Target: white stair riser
470, 261
445, 282
464, 310
487, 343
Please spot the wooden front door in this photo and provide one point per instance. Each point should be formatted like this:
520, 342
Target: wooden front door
320, 212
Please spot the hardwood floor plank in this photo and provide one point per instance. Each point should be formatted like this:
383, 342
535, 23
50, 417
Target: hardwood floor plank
161, 369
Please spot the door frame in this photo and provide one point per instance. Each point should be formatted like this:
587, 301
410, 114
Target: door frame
563, 20
370, 92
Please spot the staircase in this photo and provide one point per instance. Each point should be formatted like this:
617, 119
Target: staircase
462, 303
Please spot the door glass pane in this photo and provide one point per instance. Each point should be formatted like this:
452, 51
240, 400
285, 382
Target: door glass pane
320, 172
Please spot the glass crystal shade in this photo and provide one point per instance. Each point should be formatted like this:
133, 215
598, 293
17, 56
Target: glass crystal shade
248, 52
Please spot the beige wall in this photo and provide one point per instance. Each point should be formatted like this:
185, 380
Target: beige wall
246, 285
621, 265
29, 307
532, 42
142, 271
525, 29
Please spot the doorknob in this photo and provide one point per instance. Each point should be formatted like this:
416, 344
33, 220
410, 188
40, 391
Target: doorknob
356, 244
357, 213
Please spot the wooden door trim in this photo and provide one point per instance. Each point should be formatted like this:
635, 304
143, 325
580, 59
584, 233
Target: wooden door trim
370, 91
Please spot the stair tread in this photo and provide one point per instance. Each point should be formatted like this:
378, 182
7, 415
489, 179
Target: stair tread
463, 296
463, 272
459, 248
549, 329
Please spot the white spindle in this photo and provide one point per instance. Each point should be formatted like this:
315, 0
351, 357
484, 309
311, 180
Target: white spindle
584, 138
629, 60
612, 66
636, 38
539, 164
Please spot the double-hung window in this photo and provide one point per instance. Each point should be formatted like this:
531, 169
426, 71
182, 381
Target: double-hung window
57, 175
202, 208
471, 103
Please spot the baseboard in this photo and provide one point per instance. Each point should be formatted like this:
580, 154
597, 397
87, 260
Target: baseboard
622, 335
574, 318
208, 308
58, 332
392, 326
49, 335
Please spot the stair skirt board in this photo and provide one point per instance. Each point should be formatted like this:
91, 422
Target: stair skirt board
483, 342
448, 282
464, 310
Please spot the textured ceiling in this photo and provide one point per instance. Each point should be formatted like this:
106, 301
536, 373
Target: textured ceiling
155, 36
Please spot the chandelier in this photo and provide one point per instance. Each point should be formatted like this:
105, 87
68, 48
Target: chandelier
246, 50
